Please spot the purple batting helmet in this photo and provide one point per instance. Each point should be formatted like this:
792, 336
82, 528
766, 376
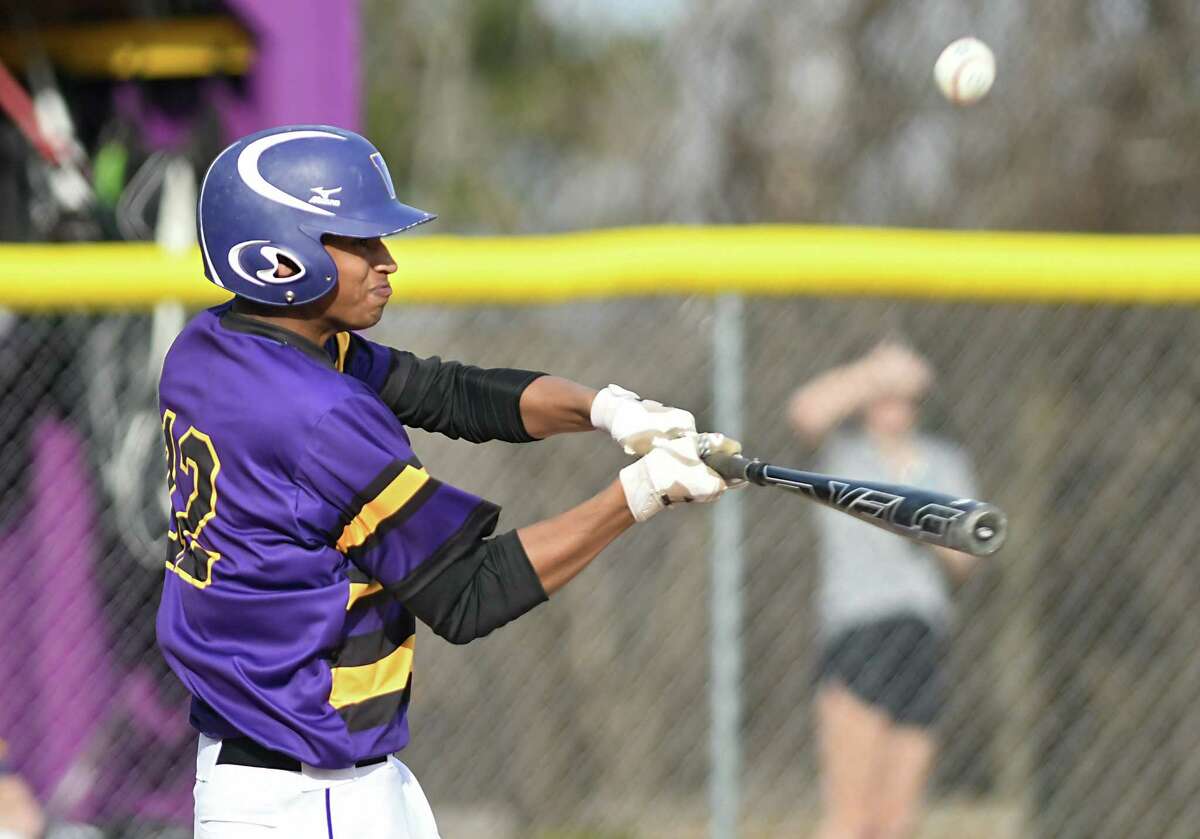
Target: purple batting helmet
272, 195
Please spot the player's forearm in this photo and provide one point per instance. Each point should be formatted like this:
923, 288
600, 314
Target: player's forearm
561, 547
553, 405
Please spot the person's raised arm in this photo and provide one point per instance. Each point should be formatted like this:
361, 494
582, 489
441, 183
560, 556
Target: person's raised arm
817, 407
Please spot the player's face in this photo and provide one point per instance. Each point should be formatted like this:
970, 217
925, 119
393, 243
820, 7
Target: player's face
363, 266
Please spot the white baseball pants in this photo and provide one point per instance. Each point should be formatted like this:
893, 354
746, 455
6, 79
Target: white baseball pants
383, 801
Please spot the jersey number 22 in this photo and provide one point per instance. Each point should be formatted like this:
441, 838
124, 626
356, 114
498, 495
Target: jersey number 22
192, 469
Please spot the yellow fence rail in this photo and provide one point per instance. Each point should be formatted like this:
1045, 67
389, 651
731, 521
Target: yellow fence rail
164, 48
755, 260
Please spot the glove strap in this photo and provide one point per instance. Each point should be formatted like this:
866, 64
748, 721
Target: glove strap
643, 501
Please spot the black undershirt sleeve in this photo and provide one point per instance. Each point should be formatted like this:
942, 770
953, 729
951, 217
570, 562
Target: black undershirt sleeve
457, 400
486, 588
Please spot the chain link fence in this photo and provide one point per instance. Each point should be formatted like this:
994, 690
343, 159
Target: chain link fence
1075, 685
1075, 682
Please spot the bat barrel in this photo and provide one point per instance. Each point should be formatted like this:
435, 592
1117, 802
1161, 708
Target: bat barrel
964, 524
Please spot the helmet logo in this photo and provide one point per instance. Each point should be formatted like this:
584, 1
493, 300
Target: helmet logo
271, 254
247, 166
324, 196
377, 159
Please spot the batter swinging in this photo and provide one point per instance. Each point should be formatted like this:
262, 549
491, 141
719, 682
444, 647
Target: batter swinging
306, 537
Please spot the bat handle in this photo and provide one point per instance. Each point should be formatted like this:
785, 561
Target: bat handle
734, 467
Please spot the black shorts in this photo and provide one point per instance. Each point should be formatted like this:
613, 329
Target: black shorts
894, 664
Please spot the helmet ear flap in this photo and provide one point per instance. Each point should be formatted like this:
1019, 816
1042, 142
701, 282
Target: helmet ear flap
285, 268
310, 253
265, 264
315, 264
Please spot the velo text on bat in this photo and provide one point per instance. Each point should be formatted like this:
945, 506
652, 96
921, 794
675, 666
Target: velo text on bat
933, 519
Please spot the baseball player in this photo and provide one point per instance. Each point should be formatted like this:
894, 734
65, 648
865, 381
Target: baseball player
306, 537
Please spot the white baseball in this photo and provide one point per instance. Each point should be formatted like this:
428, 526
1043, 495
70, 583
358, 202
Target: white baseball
965, 71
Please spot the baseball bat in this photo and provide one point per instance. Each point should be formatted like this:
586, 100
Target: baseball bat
964, 524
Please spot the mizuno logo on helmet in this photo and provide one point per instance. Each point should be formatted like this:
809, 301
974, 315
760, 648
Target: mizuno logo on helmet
271, 254
247, 167
323, 194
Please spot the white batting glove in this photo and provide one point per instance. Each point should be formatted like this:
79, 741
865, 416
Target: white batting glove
713, 442
636, 423
670, 473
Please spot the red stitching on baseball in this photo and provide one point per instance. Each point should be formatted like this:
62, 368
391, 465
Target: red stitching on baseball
958, 71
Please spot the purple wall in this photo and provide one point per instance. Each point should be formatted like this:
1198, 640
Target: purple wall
307, 68
55, 667
92, 738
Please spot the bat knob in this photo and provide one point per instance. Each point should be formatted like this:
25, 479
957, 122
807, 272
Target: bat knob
983, 531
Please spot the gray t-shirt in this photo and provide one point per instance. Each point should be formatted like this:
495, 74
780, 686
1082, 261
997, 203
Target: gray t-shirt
868, 574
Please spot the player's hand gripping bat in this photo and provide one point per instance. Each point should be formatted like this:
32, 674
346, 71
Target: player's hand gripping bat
974, 527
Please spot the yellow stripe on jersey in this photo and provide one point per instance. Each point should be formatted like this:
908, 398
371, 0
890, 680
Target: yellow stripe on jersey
360, 590
352, 685
383, 506
343, 345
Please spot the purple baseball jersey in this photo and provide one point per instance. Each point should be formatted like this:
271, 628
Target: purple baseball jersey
299, 511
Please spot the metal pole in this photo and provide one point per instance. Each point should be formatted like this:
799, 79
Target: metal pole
725, 560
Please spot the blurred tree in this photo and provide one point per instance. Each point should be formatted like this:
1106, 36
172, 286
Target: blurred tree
508, 117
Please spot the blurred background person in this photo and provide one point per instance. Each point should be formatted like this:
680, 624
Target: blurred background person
883, 601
